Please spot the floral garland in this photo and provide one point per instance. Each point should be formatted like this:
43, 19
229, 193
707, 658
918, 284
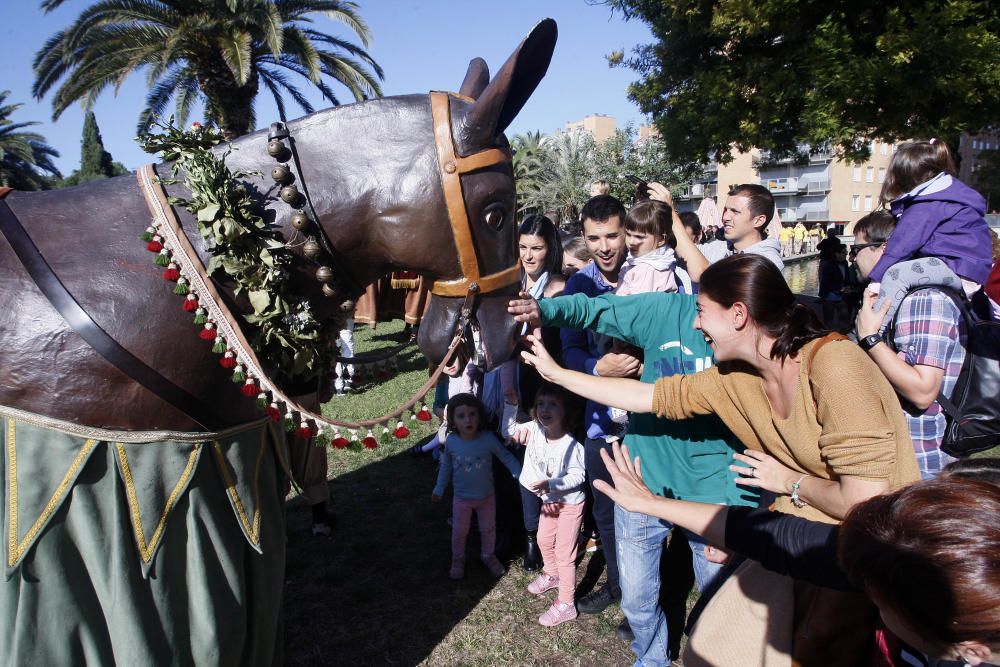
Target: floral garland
243, 247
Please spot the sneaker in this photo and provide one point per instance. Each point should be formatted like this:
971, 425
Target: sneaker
597, 601
457, 570
494, 565
559, 612
543, 582
624, 631
592, 545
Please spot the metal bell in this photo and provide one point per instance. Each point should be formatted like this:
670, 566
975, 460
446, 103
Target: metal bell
300, 221
281, 173
289, 194
347, 306
324, 274
329, 291
311, 249
276, 148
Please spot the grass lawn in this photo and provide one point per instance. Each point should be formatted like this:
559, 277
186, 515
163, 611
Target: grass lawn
377, 591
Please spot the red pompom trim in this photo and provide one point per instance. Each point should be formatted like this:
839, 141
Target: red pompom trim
228, 362
171, 274
250, 388
154, 246
191, 304
340, 442
207, 334
370, 442
274, 413
424, 415
304, 432
401, 432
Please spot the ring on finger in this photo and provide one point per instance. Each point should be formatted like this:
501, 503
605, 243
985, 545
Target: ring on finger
753, 472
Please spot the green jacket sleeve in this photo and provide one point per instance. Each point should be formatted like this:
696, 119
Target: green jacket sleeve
633, 319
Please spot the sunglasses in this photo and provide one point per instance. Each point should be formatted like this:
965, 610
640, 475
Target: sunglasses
858, 247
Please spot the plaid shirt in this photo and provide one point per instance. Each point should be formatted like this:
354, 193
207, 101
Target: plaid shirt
930, 332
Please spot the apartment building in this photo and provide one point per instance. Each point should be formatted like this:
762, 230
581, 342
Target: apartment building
970, 146
818, 189
599, 126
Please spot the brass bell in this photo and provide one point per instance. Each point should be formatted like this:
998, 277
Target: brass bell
276, 148
300, 221
311, 249
324, 274
329, 291
281, 173
290, 194
347, 306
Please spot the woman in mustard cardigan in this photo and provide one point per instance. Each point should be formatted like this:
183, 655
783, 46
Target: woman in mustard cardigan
822, 426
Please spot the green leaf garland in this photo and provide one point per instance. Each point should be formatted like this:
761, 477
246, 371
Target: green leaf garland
249, 253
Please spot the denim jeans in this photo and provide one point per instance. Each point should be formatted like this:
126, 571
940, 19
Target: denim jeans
640, 541
604, 508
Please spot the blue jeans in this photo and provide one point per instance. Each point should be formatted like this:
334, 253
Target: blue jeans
604, 508
640, 541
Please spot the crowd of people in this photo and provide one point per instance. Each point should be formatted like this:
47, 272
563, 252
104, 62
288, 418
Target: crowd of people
671, 382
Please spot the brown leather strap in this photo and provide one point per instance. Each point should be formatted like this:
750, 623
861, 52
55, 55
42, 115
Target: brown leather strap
80, 321
829, 338
452, 166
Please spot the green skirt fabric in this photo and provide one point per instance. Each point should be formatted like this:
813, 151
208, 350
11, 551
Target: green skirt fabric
167, 553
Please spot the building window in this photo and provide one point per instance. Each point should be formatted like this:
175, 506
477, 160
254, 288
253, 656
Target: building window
857, 174
884, 149
855, 202
868, 202
881, 174
870, 174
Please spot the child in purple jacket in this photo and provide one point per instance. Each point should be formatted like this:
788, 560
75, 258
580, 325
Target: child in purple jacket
939, 216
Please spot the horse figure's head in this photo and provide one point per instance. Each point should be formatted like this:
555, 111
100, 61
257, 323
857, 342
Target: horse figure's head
422, 183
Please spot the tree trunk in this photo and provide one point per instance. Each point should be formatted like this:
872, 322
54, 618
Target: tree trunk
229, 105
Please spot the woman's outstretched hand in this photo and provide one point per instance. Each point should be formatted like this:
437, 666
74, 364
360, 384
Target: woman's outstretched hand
539, 357
525, 309
629, 491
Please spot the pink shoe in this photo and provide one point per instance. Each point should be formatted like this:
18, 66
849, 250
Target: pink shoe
559, 612
543, 582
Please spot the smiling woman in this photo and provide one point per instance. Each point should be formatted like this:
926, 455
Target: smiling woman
821, 424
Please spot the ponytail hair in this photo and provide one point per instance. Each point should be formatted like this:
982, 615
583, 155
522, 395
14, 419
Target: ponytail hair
756, 282
914, 163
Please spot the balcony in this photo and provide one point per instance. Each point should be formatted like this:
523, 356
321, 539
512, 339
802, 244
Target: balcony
787, 214
821, 156
696, 191
814, 215
817, 187
781, 186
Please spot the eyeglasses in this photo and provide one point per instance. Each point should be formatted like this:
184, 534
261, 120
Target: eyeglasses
858, 247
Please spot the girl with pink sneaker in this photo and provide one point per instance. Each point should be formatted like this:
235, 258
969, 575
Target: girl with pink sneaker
554, 470
467, 463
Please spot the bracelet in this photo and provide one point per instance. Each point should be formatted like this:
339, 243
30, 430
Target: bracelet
798, 502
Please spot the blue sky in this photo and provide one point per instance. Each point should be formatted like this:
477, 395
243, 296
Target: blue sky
421, 46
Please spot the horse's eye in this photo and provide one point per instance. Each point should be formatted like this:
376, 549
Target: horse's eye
493, 216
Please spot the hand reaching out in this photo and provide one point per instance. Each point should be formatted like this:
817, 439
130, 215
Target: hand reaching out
525, 309
629, 491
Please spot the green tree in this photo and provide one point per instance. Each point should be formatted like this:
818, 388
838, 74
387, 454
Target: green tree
621, 156
784, 73
530, 168
222, 50
25, 158
95, 162
561, 185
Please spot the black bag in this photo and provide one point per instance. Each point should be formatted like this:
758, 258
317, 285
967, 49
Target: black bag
973, 411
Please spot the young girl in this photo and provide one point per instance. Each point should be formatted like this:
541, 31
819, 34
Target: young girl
468, 465
939, 216
651, 265
554, 471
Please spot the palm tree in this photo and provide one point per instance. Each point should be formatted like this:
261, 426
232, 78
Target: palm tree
564, 185
530, 164
223, 50
23, 155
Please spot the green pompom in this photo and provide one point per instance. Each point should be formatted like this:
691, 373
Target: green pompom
262, 402
147, 236
239, 376
322, 439
219, 347
181, 287
162, 259
289, 423
200, 316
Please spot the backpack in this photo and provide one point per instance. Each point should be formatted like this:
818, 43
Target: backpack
973, 412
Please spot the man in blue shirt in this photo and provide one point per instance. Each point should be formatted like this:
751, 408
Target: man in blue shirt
603, 232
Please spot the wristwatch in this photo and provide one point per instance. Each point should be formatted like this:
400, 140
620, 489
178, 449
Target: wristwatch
868, 342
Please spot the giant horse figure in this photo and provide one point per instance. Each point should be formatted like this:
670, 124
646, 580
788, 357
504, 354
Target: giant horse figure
136, 532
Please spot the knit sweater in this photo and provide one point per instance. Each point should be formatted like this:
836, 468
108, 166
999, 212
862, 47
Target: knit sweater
845, 419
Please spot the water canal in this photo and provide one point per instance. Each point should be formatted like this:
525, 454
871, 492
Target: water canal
803, 276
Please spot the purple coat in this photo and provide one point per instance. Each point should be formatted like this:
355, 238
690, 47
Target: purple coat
948, 224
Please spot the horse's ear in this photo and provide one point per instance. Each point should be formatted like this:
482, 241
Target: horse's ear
476, 79
503, 98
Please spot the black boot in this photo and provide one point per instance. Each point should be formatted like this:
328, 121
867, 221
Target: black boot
532, 554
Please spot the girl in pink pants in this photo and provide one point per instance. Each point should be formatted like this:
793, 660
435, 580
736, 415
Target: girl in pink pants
554, 470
